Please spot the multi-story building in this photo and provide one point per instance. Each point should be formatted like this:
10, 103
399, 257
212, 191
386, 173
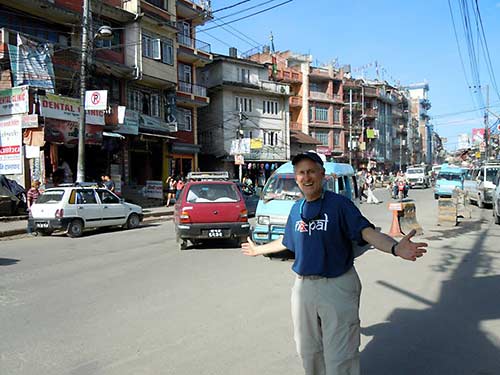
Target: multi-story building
316, 102
192, 55
420, 104
248, 115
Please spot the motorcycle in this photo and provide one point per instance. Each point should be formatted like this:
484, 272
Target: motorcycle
401, 190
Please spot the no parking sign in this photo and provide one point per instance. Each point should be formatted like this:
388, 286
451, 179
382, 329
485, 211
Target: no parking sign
96, 99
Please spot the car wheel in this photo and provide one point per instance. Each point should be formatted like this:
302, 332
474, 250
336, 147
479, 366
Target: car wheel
133, 221
183, 245
44, 232
480, 202
75, 228
495, 216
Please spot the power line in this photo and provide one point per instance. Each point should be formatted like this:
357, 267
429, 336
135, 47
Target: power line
248, 16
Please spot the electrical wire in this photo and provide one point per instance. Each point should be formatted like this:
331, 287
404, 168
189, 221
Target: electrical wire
247, 16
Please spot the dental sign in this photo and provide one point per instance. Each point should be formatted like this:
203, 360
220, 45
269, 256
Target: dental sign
68, 109
96, 99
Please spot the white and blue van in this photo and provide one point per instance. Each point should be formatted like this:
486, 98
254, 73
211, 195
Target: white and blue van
281, 191
449, 178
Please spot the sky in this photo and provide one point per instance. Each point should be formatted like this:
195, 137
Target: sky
411, 40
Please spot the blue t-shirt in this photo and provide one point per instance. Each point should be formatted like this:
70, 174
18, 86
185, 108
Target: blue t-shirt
322, 242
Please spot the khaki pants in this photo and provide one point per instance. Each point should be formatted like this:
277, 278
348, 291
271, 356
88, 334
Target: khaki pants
325, 315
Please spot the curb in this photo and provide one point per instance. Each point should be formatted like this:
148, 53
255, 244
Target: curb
148, 216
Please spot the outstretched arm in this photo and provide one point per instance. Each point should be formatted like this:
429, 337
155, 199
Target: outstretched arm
251, 249
405, 248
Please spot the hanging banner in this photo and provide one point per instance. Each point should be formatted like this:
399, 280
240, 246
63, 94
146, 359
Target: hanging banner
14, 101
256, 143
57, 131
11, 161
31, 63
68, 109
130, 123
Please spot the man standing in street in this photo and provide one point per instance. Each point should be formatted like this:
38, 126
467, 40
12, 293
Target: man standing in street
325, 298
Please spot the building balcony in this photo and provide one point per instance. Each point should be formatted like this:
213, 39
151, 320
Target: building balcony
323, 96
154, 9
296, 101
288, 75
324, 74
370, 91
192, 94
193, 51
275, 87
198, 11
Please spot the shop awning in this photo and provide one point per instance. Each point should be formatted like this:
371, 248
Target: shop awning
158, 135
115, 135
299, 137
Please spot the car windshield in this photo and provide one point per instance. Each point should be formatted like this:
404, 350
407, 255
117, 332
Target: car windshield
50, 196
210, 193
415, 171
491, 174
449, 176
282, 187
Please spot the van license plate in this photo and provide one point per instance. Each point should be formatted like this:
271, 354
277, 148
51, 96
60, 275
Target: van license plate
42, 225
214, 233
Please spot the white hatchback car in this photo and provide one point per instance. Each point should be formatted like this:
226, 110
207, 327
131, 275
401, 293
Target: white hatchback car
496, 199
75, 208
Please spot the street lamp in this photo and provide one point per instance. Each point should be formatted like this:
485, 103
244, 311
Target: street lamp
103, 32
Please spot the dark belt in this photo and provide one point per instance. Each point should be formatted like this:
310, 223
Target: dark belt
310, 277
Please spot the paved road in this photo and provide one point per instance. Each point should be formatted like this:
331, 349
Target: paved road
129, 302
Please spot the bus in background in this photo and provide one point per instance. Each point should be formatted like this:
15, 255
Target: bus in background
448, 179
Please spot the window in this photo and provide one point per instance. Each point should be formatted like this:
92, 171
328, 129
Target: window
158, 49
85, 197
336, 139
336, 115
145, 102
167, 51
321, 113
107, 197
185, 73
244, 75
272, 138
151, 47
184, 119
114, 42
322, 136
163, 4
270, 107
243, 104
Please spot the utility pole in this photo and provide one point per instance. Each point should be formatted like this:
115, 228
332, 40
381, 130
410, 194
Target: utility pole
486, 125
240, 136
363, 120
401, 147
350, 126
80, 173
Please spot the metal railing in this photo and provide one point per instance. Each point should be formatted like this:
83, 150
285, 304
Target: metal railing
191, 88
187, 41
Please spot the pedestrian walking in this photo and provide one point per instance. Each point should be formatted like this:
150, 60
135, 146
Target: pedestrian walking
171, 189
370, 185
320, 230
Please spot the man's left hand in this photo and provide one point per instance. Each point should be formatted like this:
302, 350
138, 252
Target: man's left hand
409, 250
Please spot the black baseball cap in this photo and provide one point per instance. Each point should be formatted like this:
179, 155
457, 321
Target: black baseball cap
307, 155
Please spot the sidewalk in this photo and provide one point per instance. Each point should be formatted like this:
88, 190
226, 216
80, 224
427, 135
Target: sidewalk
15, 225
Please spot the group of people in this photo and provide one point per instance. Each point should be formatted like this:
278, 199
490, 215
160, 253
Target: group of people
366, 181
174, 187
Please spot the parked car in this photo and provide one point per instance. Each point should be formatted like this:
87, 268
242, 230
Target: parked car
496, 199
417, 177
76, 208
12, 197
210, 208
480, 190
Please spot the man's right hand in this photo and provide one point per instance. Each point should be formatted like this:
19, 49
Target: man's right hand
249, 248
